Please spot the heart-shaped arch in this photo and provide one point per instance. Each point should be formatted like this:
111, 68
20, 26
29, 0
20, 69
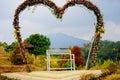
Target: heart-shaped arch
58, 12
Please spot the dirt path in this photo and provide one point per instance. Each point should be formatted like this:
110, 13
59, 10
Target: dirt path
51, 75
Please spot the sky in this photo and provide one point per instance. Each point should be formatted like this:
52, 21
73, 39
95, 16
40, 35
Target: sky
77, 21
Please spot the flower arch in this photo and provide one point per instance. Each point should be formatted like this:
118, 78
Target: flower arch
58, 12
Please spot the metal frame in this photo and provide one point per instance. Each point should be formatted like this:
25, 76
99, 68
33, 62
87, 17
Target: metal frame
60, 52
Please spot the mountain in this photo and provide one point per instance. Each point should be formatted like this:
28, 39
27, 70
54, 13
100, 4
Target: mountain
60, 40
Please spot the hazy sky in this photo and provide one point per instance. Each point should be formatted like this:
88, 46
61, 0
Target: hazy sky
77, 21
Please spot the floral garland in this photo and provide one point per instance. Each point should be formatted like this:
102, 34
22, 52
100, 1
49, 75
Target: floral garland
58, 12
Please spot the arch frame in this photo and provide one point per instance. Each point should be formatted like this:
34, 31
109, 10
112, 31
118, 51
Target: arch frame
58, 12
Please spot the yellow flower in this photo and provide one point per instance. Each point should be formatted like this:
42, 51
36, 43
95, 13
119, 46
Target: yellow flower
102, 30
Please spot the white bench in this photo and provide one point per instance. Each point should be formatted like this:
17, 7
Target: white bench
60, 52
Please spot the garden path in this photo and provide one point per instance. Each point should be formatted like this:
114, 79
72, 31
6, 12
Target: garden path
51, 75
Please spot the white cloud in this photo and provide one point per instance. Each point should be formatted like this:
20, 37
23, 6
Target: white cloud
112, 31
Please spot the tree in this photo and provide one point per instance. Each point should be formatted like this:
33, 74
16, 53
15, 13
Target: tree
107, 50
79, 60
85, 50
40, 42
10, 47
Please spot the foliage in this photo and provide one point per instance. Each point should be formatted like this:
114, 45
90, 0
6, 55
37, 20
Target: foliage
31, 58
79, 60
64, 63
107, 50
110, 65
118, 57
118, 71
40, 42
54, 63
11, 47
39, 61
0, 43
67, 64
16, 58
4, 58
4, 44
89, 77
85, 49
113, 77
98, 65
106, 75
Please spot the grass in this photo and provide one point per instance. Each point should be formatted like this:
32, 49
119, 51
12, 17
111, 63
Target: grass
113, 77
106, 75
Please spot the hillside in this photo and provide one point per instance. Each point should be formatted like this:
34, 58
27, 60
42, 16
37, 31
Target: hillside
60, 40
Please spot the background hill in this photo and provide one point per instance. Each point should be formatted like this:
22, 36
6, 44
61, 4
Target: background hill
61, 40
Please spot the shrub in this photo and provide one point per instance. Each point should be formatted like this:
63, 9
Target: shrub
16, 59
97, 65
110, 65
64, 63
79, 60
54, 64
40, 61
105, 73
67, 64
118, 71
89, 77
31, 58
113, 77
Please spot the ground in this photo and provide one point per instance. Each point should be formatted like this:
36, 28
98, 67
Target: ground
51, 75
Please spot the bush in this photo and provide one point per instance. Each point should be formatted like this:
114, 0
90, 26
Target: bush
16, 59
31, 58
110, 65
67, 64
79, 60
97, 66
89, 77
113, 77
54, 64
40, 62
118, 71
105, 73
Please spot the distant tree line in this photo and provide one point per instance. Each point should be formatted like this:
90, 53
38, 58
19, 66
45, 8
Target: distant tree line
107, 50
